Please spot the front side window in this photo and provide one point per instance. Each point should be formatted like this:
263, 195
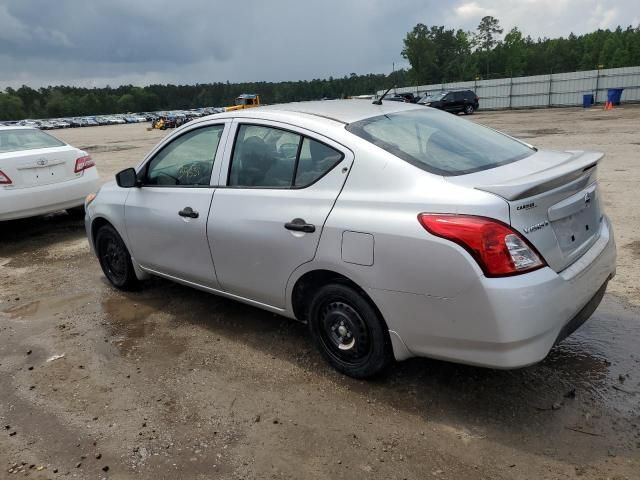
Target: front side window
13, 140
440, 143
274, 158
187, 160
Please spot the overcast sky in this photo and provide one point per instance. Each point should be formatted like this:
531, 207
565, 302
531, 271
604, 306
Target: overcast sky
96, 42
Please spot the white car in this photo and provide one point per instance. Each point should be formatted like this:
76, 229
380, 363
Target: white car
40, 174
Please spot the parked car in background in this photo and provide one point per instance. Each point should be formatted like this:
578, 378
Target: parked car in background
464, 101
41, 174
392, 230
60, 123
29, 123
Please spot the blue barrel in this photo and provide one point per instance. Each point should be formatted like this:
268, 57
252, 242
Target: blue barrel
587, 100
614, 95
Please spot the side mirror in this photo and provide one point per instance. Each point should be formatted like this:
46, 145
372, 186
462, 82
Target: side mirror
127, 178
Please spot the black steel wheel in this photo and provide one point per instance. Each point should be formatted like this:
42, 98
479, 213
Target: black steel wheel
349, 331
115, 259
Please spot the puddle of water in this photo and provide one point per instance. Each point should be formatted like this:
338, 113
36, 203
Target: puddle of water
580, 376
19, 312
133, 323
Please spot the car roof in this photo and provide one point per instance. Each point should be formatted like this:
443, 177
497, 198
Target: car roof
342, 111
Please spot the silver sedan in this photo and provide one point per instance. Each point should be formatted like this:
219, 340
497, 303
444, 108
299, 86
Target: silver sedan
392, 230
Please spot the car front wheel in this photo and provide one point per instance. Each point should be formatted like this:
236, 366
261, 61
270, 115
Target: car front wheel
115, 259
349, 331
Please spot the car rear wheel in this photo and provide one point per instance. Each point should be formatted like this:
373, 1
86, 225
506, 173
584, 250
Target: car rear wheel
468, 109
115, 259
349, 332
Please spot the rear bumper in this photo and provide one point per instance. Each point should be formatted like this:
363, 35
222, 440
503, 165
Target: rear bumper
502, 322
33, 201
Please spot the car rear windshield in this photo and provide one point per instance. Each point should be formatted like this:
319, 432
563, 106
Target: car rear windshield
439, 142
26, 139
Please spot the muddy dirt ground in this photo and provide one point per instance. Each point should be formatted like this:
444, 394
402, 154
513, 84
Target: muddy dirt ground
171, 382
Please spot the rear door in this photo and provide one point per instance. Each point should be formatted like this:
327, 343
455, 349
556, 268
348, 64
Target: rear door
448, 102
166, 218
279, 185
458, 101
30, 157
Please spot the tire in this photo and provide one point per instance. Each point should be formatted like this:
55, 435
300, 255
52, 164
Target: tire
115, 259
349, 332
76, 212
468, 109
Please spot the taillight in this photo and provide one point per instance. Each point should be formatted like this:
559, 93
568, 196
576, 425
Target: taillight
499, 250
83, 163
4, 179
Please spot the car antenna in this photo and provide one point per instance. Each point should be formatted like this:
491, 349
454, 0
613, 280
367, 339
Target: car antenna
379, 101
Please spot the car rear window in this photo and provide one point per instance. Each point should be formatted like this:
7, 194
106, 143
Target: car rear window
26, 139
439, 142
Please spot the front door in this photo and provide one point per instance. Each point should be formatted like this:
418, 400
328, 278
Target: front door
166, 218
280, 186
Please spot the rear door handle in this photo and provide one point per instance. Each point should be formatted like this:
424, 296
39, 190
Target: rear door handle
299, 225
188, 212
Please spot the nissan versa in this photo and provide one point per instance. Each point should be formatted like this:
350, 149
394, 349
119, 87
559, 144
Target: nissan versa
392, 230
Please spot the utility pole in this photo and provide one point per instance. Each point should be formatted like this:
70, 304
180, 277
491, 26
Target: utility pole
393, 75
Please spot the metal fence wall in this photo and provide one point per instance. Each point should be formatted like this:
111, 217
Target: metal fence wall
554, 90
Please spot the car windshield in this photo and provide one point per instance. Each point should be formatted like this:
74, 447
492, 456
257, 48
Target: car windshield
439, 142
26, 139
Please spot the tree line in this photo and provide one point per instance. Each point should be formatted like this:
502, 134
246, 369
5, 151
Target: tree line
435, 53
62, 101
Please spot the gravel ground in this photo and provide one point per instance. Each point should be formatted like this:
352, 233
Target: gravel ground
171, 382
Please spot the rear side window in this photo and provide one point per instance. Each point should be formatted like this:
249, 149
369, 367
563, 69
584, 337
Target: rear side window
267, 157
439, 142
26, 139
316, 159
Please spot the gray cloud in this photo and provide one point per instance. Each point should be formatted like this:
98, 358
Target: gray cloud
95, 43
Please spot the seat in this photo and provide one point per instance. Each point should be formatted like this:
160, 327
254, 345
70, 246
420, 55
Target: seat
251, 164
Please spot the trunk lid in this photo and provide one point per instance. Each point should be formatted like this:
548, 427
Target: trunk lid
43, 166
553, 201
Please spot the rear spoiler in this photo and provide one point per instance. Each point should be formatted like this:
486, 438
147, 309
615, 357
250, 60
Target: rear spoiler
574, 167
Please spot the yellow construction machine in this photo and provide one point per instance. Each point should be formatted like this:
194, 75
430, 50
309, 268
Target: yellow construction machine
246, 100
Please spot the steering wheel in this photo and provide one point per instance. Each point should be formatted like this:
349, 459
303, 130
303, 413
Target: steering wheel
194, 173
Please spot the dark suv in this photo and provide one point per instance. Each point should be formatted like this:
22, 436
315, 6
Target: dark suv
460, 101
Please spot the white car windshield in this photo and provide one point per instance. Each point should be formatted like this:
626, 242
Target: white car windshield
439, 142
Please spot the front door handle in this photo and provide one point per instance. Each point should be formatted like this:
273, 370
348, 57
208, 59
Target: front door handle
299, 225
188, 212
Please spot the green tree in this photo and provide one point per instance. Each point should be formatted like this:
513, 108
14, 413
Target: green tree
11, 107
420, 50
127, 103
486, 38
515, 52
